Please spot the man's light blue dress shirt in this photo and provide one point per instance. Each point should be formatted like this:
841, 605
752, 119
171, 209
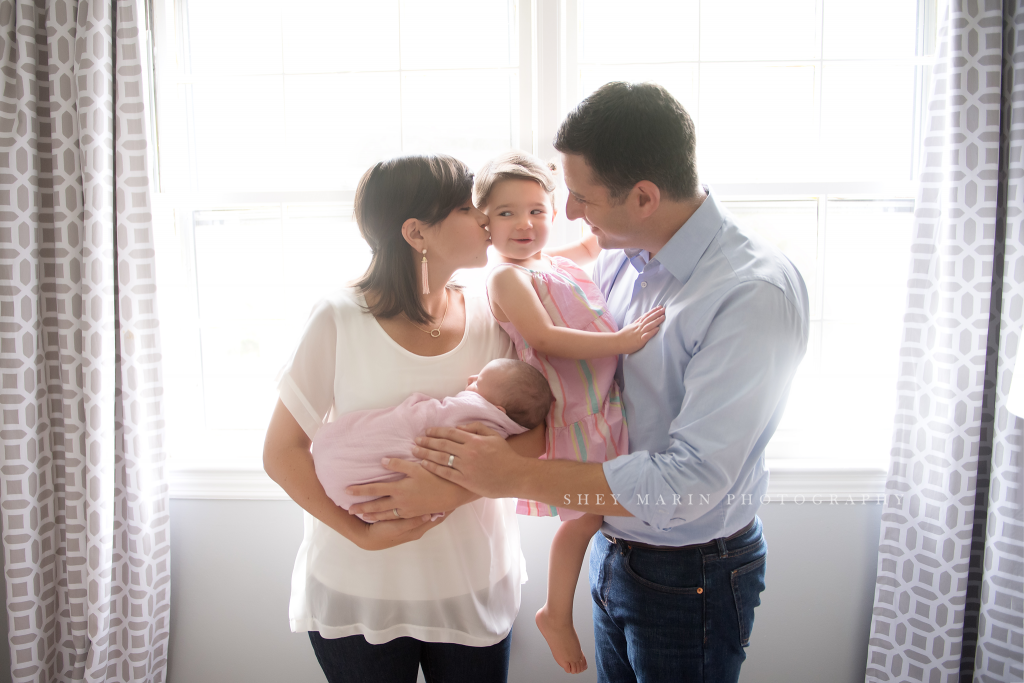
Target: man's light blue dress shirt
705, 395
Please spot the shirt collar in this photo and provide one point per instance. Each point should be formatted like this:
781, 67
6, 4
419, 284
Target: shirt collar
638, 258
684, 249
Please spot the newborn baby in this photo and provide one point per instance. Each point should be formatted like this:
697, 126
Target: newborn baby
508, 396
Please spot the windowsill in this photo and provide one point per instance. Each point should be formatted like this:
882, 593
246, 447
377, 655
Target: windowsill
788, 483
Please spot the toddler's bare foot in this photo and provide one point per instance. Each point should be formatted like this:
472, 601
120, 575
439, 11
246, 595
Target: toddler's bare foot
562, 639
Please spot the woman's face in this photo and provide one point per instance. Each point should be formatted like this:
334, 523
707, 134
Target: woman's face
460, 240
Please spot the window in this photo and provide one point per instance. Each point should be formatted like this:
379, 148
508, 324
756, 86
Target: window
806, 112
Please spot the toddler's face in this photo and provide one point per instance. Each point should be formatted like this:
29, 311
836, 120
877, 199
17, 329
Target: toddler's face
520, 214
489, 384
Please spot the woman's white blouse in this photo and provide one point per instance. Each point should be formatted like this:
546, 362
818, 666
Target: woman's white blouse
460, 582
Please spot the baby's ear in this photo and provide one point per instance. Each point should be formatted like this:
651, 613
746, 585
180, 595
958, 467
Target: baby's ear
501, 409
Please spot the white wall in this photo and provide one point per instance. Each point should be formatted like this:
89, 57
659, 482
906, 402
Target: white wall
231, 562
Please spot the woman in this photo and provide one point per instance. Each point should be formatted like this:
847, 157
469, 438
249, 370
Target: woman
379, 600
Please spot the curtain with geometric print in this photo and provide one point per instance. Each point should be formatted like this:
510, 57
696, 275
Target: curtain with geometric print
949, 596
83, 489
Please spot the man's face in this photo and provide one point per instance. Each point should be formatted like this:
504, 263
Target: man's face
590, 200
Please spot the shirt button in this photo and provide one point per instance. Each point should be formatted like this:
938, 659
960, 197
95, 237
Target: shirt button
643, 284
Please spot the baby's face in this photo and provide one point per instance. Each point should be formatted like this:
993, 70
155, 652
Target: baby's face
489, 384
520, 215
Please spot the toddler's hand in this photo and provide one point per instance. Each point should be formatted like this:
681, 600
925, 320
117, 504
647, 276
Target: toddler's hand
636, 335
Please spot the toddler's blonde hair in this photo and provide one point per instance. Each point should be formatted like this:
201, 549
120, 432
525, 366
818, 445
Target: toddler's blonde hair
512, 165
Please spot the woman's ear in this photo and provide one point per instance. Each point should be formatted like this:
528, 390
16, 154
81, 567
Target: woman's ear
412, 231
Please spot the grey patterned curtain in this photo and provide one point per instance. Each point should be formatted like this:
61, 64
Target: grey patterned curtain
949, 598
83, 493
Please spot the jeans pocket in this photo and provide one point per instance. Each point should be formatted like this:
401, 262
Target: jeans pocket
659, 572
747, 584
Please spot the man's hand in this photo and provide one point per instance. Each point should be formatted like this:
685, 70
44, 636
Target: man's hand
418, 493
483, 462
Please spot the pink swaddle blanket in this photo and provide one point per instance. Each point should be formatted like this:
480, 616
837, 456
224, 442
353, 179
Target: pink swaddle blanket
348, 451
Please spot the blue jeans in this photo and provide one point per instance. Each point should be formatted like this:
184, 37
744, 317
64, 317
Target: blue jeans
353, 660
675, 615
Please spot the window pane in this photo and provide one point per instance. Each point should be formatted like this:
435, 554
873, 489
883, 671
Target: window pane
233, 448
867, 120
868, 242
759, 30
181, 346
869, 29
235, 36
678, 79
252, 265
237, 124
340, 35
837, 423
458, 34
236, 247
337, 126
792, 226
641, 31
757, 122
845, 404
323, 250
472, 127
260, 271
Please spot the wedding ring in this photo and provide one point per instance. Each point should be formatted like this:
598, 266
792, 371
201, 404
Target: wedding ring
395, 510
451, 459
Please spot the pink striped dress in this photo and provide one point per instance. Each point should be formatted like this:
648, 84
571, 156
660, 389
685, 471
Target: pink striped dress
586, 422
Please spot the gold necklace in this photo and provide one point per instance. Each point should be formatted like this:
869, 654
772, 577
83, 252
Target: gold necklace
437, 332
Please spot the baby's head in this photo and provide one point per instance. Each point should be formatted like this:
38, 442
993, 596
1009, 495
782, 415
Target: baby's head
516, 191
517, 388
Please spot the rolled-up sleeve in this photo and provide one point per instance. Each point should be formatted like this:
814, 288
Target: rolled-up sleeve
306, 383
734, 378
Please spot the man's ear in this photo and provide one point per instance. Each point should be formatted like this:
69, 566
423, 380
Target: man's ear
412, 231
647, 197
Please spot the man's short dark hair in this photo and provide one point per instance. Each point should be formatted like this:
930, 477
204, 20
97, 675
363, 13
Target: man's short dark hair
628, 132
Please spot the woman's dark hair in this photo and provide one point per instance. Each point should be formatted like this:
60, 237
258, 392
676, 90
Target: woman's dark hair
427, 188
628, 132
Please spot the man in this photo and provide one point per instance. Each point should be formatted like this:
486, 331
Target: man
679, 565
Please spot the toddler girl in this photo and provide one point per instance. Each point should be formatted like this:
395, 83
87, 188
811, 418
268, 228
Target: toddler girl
560, 324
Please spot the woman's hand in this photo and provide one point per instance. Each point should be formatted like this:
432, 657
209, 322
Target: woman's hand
388, 534
287, 460
419, 493
635, 335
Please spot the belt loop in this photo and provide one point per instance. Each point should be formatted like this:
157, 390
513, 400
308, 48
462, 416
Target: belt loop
722, 550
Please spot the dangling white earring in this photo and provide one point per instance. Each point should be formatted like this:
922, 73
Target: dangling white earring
423, 273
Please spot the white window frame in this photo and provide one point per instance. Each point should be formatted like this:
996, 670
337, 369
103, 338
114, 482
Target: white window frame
547, 57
